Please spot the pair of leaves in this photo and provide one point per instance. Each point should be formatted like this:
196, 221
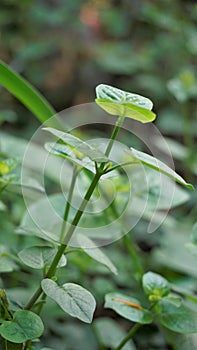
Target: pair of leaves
24, 326
78, 147
126, 104
95, 155
72, 298
169, 310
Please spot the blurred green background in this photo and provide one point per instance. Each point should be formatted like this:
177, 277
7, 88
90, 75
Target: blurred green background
65, 48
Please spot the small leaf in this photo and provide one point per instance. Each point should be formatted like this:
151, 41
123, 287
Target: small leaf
130, 313
156, 164
72, 298
95, 253
122, 103
110, 334
25, 325
66, 152
178, 319
40, 257
155, 284
78, 144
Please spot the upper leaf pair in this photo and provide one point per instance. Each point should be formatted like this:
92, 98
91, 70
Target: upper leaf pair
126, 104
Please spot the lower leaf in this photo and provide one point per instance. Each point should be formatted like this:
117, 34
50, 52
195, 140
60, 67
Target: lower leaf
72, 298
178, 319
26, 325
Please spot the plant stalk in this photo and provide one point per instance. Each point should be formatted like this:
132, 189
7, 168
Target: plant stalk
129, 336
77, 217
115, 132
68, 205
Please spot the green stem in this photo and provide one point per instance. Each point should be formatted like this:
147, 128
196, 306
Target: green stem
129, 336
115, 132
68, 236
68, 205
40, 306
81, 208
33, 299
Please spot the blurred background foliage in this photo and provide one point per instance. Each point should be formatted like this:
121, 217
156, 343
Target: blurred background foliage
65, 48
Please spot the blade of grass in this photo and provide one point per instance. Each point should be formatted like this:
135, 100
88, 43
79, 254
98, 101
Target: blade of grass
26, 93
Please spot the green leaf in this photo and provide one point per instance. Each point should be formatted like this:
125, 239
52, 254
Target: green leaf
72, 298
40, 257
156, 164
110, 334
116, 95
26, 93
79, 145
122, 103
142, 316
95, 253
66, 152
25, 325
155, 285
178, 319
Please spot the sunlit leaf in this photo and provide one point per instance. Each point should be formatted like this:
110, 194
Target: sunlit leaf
122, 103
